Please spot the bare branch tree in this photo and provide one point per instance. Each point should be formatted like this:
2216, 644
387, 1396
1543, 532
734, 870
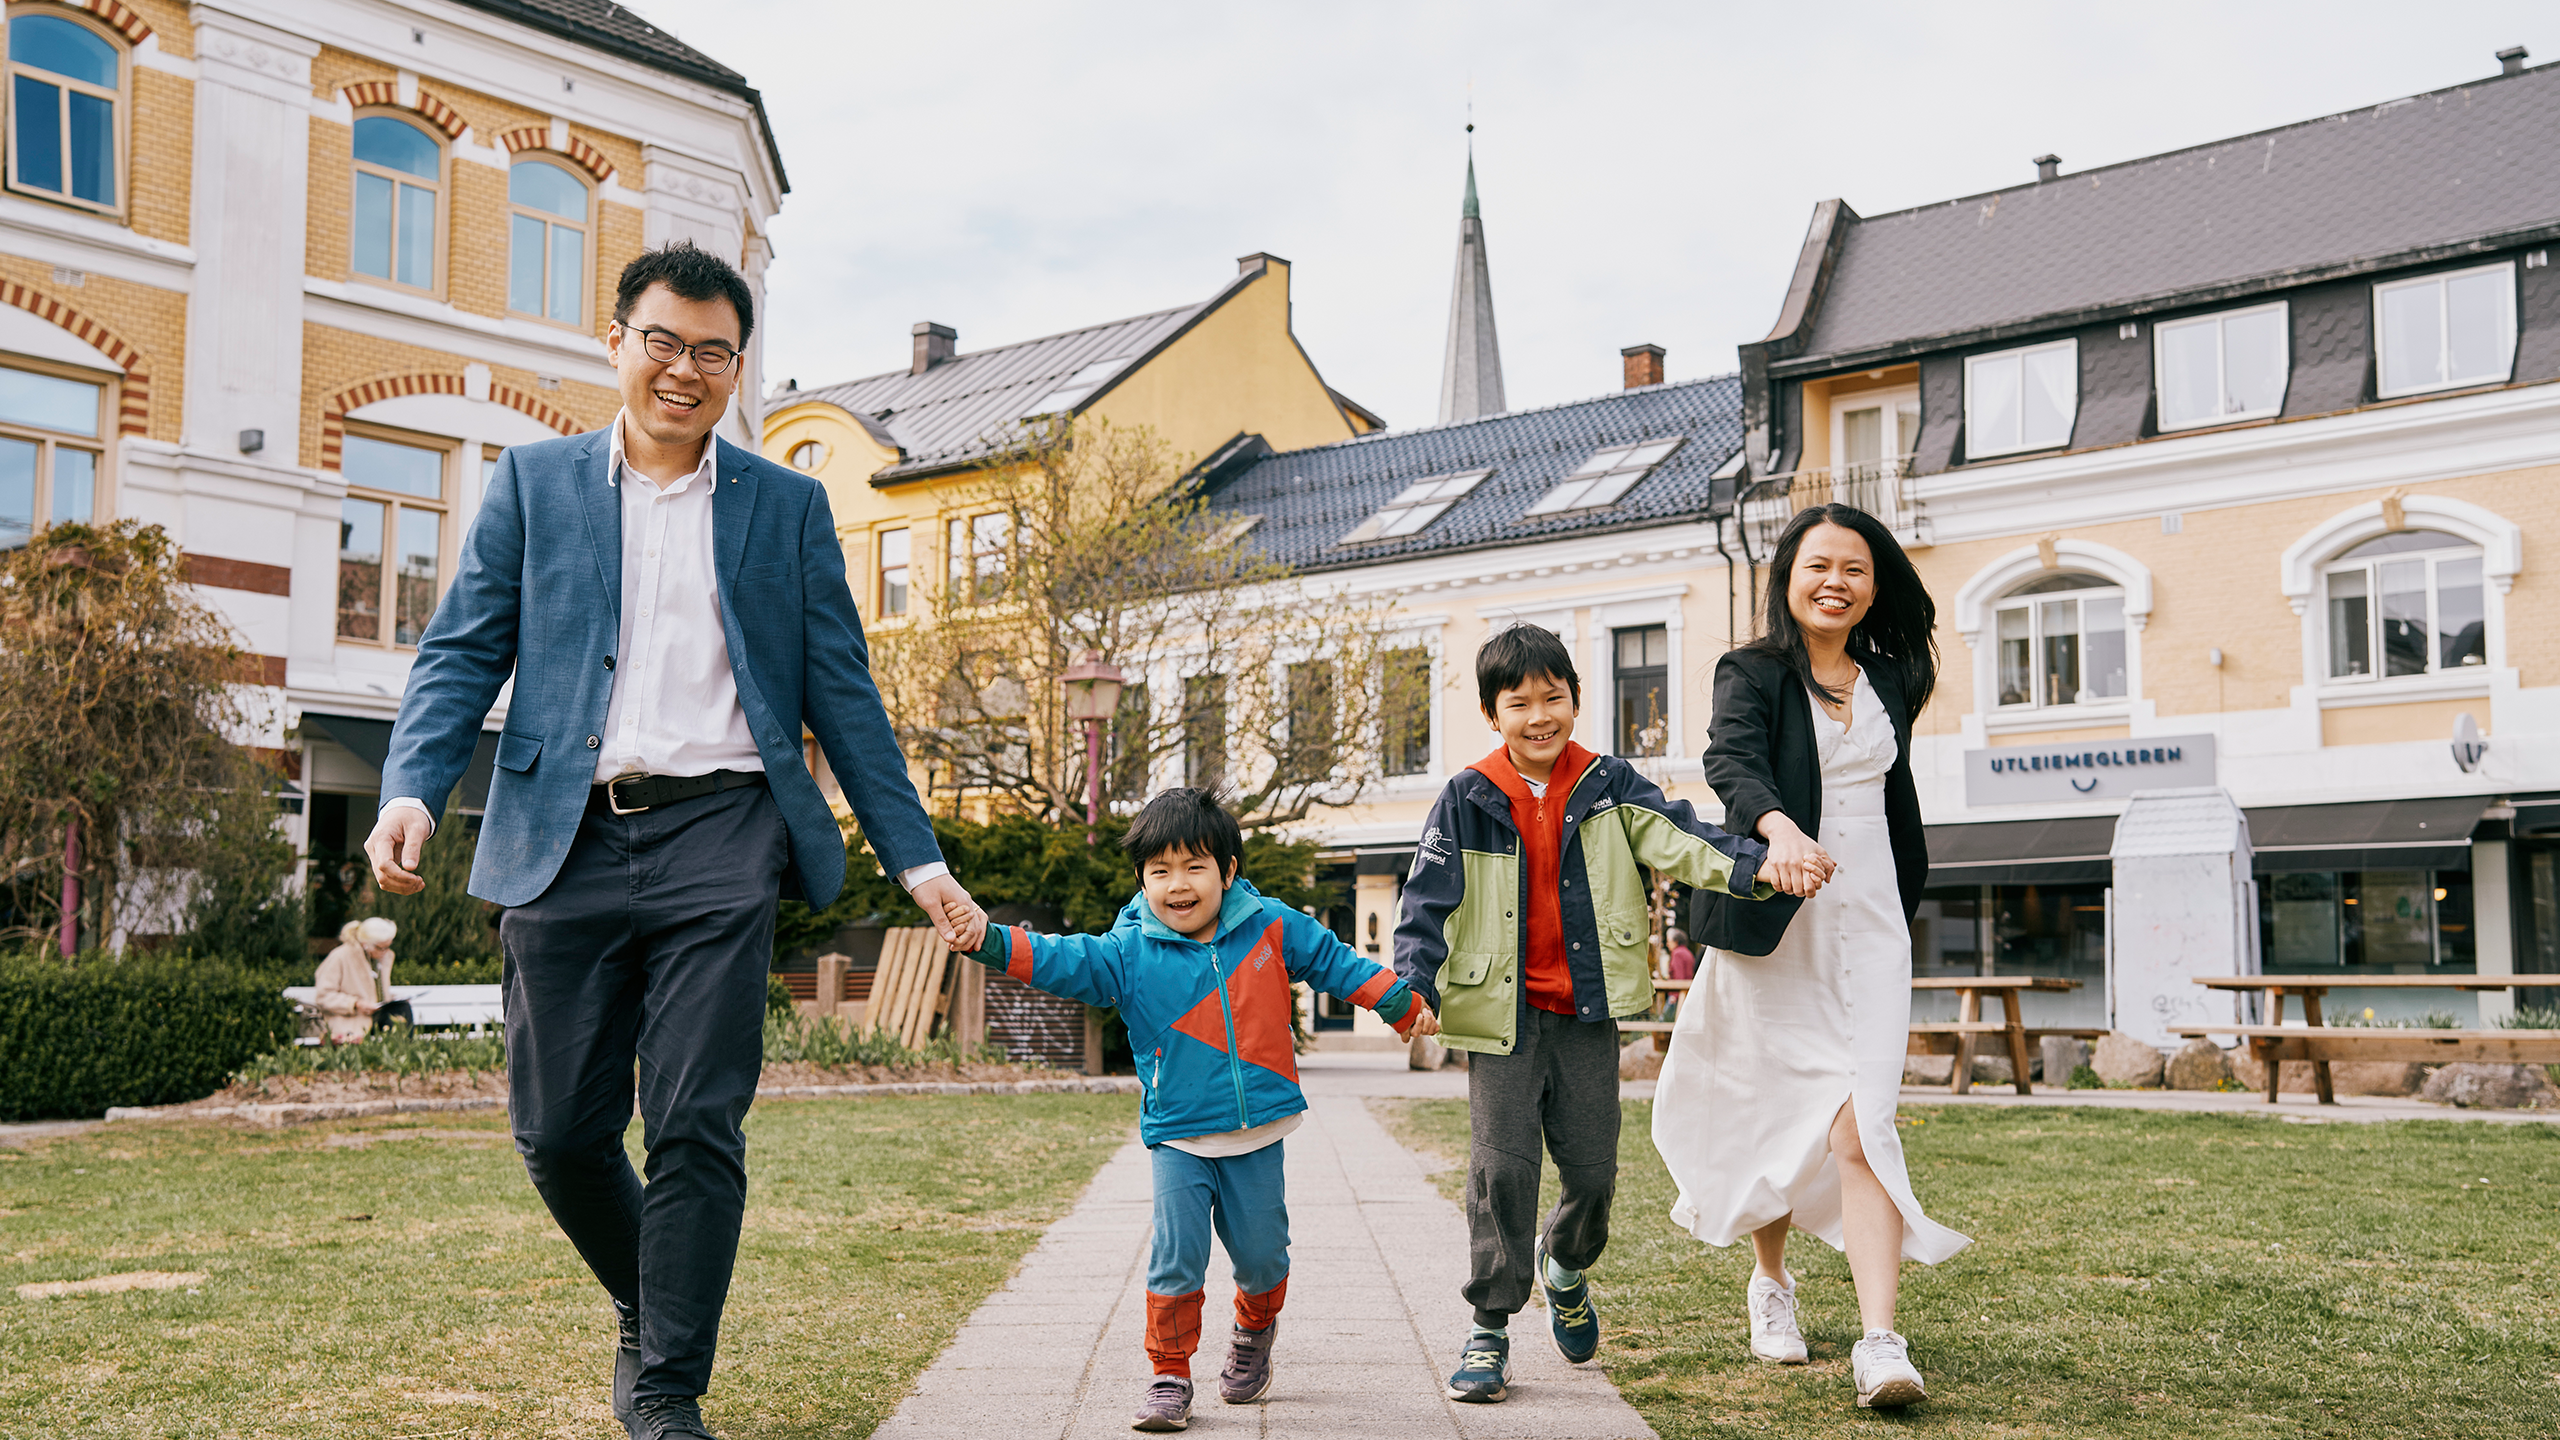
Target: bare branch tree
1241, 675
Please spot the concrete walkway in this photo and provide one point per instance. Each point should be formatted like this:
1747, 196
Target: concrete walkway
1371, 1330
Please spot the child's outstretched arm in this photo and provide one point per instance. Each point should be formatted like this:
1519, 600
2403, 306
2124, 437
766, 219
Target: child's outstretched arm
1092, 969
1668, 835
1318, 957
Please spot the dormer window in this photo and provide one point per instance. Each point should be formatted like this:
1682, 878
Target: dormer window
2220, 368
2024, 399
1604, 477
1415, 506
2448, 330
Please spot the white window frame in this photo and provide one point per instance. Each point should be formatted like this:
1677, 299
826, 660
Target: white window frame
2444, 330
1976, 606
2455, 547
1415, 506
2034, 605
1891, 401
1606, 475
585, 230
122, 99
2221, 349
100, 443
881, 567
442, 504
2301, 572
1974, 446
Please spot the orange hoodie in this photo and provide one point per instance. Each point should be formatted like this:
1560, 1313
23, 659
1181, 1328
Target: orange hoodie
1540, 821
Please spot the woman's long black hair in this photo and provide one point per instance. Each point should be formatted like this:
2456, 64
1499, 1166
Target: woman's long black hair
1901, 628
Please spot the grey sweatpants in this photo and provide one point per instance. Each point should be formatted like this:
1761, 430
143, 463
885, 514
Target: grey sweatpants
1559, 1085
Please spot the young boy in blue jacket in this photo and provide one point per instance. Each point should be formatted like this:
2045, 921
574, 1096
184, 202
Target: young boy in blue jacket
1202, 980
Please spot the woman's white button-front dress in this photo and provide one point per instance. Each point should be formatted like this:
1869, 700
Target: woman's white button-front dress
1768, 1047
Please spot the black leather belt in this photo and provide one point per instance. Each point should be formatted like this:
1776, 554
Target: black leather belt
632, 794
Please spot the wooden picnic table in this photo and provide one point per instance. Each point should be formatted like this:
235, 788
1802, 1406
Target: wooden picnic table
2274, 1043
1958, 1036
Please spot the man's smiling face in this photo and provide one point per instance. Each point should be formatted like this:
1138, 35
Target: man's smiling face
674, 403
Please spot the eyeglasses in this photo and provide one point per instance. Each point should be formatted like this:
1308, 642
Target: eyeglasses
710, 357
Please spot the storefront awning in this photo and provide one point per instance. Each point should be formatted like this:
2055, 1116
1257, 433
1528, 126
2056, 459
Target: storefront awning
370, 742
2022, 852
2430, 834
2537, 815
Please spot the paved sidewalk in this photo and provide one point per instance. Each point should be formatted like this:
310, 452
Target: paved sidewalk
1372, 1326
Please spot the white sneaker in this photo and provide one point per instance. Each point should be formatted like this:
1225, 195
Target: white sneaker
1774, 1336
1886, 1379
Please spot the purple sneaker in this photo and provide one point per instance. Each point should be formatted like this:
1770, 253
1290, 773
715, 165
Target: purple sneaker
1167, 1406
1247, 1377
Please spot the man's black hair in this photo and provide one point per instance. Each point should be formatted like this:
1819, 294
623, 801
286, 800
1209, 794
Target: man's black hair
1189, 820
1521, 653
693, 274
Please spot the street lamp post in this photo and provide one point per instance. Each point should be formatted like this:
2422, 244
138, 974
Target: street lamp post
1093, 696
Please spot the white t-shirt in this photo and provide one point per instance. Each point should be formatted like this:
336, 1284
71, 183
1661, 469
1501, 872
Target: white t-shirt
1239, 1142
1537, 788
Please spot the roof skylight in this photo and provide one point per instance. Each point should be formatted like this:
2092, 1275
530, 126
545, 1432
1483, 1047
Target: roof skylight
1070, 392
1605, 476
1415, 506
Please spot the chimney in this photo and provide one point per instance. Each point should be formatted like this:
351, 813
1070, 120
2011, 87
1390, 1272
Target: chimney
934, 344
2048, 167
1644, 365
2511, 60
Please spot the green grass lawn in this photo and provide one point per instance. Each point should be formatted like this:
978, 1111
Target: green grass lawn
2132, 1274
399, 1278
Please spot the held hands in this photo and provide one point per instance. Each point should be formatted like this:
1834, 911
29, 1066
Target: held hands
1419, 1020
399, 835
1797, 865
960, 921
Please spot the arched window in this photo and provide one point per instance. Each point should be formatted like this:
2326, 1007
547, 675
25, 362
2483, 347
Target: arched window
2410, 602
52, 450
66, 122
399, 180
547, 241
809, 454
2061, 642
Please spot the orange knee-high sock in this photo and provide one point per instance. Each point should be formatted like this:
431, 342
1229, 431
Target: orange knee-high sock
1173, 1331
1256, 1312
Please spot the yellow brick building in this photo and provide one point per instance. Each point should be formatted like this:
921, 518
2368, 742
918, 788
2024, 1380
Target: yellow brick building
284, 280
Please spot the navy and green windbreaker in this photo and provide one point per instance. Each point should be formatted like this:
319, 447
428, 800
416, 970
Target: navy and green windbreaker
1208, 1022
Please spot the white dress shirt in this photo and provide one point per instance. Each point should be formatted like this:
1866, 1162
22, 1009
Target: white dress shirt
675, 704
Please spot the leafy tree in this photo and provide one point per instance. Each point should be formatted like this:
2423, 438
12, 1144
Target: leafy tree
123, 714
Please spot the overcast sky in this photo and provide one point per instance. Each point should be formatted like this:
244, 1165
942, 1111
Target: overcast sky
1018, 169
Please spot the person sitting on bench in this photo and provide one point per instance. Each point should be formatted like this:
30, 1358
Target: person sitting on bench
355, 981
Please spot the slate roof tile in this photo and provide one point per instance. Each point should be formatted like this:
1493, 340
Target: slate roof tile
1309, 499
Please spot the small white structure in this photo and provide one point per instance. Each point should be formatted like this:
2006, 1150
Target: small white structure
2183, 906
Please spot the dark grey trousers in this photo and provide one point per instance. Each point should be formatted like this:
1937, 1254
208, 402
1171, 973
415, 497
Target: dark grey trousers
651, 948
1559, 1085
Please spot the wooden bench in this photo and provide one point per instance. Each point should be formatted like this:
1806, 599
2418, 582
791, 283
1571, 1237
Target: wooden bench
2320, 1044
1958, 1037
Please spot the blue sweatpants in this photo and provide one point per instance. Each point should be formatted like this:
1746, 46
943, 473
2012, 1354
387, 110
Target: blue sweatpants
1243, 1200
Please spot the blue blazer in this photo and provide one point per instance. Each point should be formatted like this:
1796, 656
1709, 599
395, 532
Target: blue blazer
539, 595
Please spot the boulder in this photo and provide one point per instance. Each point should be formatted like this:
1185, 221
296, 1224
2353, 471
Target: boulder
2126, 1060
1639, 1061
2346, 1077
1425, 1053
2060, 1055
2199, 1065
1928, 1069
2492, 1087
1994, 1070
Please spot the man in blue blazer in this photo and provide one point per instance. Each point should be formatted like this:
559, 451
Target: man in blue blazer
673, 611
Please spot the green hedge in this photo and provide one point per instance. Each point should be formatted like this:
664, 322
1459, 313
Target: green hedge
78, 1036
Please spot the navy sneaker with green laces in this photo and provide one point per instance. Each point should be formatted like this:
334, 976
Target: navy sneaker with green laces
1570, 1318
1484, 1369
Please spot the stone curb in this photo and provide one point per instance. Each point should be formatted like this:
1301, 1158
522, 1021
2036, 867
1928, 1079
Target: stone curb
305, 1112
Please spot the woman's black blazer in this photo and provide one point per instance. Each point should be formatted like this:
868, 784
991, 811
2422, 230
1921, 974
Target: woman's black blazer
1763, 755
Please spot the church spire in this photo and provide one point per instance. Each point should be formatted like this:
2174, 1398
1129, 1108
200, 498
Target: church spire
1471, 375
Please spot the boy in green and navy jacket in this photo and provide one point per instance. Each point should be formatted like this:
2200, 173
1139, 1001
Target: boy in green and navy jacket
1526, 925
1200, 968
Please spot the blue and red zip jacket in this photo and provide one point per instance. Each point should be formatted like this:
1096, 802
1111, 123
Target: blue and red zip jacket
1208, 1021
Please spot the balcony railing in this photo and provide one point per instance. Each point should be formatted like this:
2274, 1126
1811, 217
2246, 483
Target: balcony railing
1882, 489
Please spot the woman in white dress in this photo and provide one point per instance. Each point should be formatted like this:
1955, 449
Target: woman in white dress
1775, 1108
